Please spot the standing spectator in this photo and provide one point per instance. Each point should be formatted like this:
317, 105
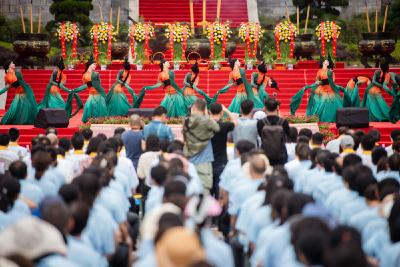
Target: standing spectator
334, 145
291, 143
157, 125
273, 131
133, 139
219, 142
7, 156
14, 146
87, 135
246, 128
198, 130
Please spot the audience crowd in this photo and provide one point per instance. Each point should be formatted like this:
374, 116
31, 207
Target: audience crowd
279, 198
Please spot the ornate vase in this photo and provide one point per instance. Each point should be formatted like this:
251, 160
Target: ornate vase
202, 46
28, 45
119, 50
305, 47
376, 44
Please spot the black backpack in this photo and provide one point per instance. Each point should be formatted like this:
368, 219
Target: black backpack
273, 139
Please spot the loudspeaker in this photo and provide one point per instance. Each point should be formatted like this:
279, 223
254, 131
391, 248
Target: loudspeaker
142, 112
52, 117
352, 117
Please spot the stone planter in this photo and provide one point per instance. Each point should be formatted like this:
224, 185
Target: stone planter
305, 47
217, 66
202, 46
29, 45
177, 66
376, 44
119, 50
290, 66
71, 67
103, 67
139, 66
249, 66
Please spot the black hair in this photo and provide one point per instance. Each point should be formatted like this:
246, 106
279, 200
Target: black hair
60, 64
152, 143
69, 192
394, 162
262, 68
119, 131
159, 111
295, 204
367, 142
126, 65
164, 144
306, 132
6, 65
278, 202
232, 62
325, 159
292, 136
274, 184
343, 130
384, 69
159, 174
378, 153
41, 161
394, 221
331, 64
89, 62
357, 138
14, 134
167, 221
317, 138
77, 141
87, 133
244, 146
364, 178
93, 145
52, 130
351, 160
4, 139
302, 139
56, 213
162, 61
375, 134
313, 156
18, 169
216, 108
174, 187
303, 151
89, 186
246, 107
344, 234
64, 143
346, 255
80, 214
271, 104
175, 146
195, 70
395, 134
9, 191
53, 153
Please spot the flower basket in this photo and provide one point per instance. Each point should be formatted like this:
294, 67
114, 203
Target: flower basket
285, 34
249, 33
177, 34
328, 32
218, 34
139, 36
102, 36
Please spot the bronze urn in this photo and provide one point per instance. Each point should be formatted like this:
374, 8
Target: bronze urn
29, 45
376, 44
305, 47
119, 50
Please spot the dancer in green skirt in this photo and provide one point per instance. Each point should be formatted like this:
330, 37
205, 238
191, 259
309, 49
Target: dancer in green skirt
52, 97
259, 82
325, 97
373, 100
23, 108
95, 105
394, 112
117, 102
352, 98
174, 100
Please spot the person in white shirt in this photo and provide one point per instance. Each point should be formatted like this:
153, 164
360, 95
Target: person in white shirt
87, 135
152, 153
14, 146
317, 140
78, 157
291, 140
346, 145
334, 145
300, 163
7, 156
367, 144
394, 136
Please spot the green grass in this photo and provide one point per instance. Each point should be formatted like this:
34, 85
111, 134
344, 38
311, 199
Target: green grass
6, 45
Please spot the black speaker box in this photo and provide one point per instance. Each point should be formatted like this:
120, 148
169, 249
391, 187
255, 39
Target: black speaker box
142, 112
52, 117
352, 117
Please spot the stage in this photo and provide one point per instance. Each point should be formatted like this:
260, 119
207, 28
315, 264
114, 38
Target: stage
289, 81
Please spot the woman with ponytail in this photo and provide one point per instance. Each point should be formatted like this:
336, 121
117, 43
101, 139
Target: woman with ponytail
260, 81
117, 102
23, 108
174, 100
52, 97
373, 99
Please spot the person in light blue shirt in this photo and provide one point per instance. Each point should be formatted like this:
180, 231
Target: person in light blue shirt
155, 195
78, 251
56, 260
30, 191
300, 163
391, 254
41, 161
392, 170
157, 125
219, 254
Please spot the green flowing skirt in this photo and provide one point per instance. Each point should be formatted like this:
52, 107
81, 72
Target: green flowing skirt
378, 108
95, 106
175, 105
353, 97
190, 99
118, 105
236, 102
21, 111
325, 107
54, 100
258, 102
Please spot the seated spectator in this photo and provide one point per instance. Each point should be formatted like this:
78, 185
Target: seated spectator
152, 152
78, 157
87, 135
390, 168
306, 132
291, 143
7, 156
155, 195
300, 163
317, 140
377, 154
157, 125
394, 136
13, 145
334, 145
346, 145
246, 128
367, 144
134, 139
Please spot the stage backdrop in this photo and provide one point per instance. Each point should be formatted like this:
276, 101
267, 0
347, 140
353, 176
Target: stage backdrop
3, 97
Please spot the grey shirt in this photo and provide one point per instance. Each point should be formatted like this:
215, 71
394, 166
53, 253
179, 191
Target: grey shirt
246, 129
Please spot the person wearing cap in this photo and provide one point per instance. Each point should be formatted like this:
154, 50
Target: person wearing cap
95, 105
117, 102
346, 145
259, 81
23, 108
52, 97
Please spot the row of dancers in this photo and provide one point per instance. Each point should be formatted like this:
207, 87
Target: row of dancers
324, 98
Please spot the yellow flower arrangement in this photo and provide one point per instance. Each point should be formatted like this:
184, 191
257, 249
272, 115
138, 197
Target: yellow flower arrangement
218, 29
102, 34
177, 29
329, 27
253, 28
68, 31
139, 31
284, 31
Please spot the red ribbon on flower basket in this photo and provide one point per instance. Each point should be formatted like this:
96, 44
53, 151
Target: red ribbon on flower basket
224, 38
334, 38
109, 46
95, 41
211, 26
62, 40
323, 45
292, 44
248, 41
184, 42
277, 43
74, 40
132, 39
171, 40
256, 37
146, 40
